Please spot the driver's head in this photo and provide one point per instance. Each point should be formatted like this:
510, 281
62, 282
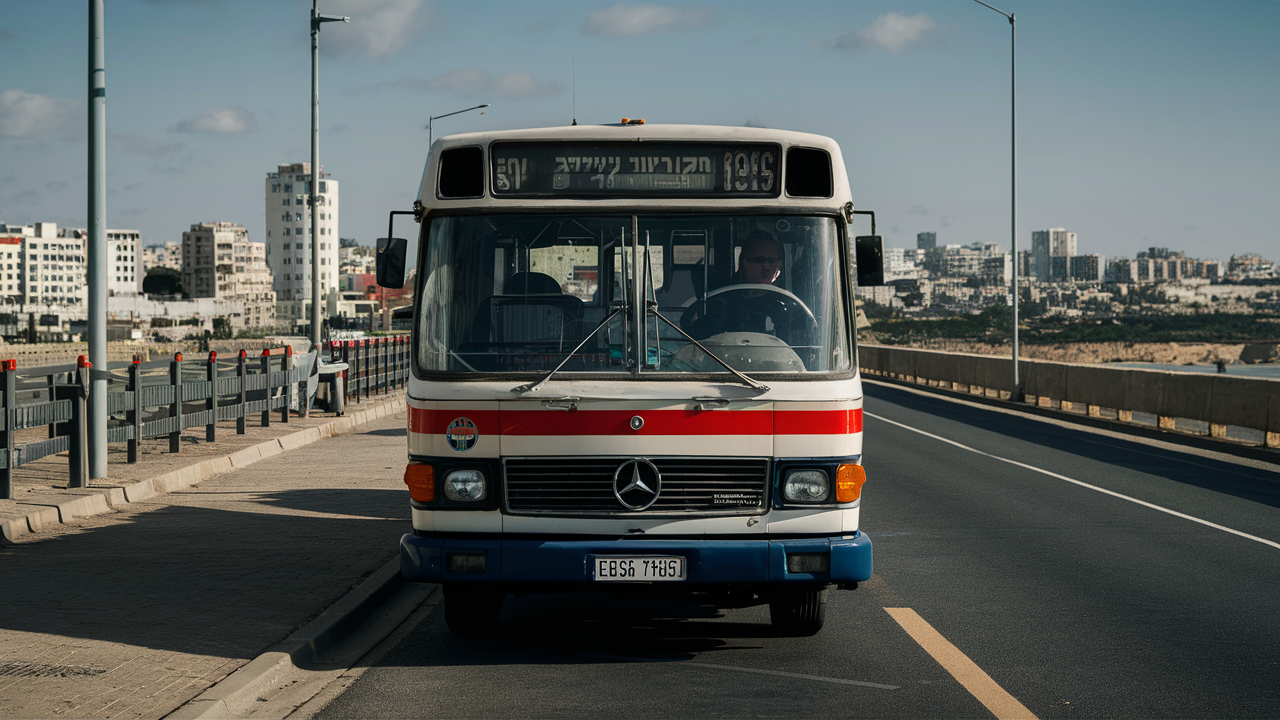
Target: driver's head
761, 259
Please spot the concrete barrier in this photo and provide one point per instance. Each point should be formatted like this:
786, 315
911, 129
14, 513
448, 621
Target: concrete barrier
1216, 399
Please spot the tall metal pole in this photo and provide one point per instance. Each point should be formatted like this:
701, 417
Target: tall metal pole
314, 233
96, 241
314, 236
1016, 393
431, 120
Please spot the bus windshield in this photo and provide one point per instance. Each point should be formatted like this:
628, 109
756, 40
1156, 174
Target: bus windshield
519, 293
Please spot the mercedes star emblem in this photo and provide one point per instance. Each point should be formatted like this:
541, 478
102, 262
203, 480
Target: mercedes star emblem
636, 484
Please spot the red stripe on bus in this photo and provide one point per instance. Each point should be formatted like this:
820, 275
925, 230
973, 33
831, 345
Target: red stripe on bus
656, 422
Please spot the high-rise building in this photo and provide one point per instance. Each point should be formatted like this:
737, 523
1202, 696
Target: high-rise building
1054, 242
926, 240
1087, 268
219, 261
289, 233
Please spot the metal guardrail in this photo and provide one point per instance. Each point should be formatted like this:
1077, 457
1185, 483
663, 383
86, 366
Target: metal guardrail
375, 365
144, 400
1217, 400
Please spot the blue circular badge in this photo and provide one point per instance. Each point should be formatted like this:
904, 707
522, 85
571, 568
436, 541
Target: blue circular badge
462, 434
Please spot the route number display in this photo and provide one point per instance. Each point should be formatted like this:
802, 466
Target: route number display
636, 168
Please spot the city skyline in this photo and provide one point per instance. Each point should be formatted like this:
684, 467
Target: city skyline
1139, 124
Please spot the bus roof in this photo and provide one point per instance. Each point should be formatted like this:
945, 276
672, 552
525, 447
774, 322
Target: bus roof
430, 198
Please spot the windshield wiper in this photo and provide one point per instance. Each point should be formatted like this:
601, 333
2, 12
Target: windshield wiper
756, 385
651, 306
533, 387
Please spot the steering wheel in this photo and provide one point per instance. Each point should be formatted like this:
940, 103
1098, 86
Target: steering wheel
743, 308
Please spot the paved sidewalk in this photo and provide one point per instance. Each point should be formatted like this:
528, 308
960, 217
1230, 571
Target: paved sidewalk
135, 610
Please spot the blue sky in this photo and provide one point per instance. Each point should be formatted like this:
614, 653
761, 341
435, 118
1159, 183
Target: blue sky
1139, 123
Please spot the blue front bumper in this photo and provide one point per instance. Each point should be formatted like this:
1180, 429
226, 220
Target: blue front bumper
727, 562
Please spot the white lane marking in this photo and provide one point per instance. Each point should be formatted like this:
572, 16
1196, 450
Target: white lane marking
1104, 491
758, 671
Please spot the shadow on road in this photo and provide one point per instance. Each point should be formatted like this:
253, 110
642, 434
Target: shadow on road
1239, 481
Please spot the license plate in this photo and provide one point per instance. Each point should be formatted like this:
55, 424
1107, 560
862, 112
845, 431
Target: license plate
639, 568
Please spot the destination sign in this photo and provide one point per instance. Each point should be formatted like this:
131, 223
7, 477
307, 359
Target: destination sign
674, 169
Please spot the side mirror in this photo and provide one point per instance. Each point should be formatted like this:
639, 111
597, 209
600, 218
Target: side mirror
391, 256
869, 255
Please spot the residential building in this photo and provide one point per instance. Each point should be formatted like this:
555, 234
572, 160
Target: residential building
926, 240
289, 235
1087, 268
168, 255
1054, 242
123, 259
219, 261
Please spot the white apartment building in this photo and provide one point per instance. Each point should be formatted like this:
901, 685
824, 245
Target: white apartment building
219, 261
44, 268
168, 255
289, 235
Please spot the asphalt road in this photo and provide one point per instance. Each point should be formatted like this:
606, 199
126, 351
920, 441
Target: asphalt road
1075, 602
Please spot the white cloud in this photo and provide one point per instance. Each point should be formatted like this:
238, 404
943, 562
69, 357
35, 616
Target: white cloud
474, 82
227, 120
894, 32
378, 29
24, 114
625, 19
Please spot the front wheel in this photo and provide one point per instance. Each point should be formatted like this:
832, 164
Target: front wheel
472, 609
798, 613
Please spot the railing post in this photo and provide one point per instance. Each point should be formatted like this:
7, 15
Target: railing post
346, 374
286, 364
243, 369
211, 405
78, 442
9, 378
135, 412
266, 370
51, 381
175, 410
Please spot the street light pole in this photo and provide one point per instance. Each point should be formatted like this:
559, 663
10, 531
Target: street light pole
316, 20
1016, 394
96, 242
432, 119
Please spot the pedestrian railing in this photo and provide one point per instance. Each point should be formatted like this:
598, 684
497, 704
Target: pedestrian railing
164, 398
374, 365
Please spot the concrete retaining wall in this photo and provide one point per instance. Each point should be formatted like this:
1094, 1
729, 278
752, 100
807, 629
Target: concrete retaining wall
1219, 400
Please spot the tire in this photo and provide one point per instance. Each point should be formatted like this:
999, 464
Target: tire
798, 613
472, 610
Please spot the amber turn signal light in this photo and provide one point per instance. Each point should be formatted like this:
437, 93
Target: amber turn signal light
421, 480
849, 480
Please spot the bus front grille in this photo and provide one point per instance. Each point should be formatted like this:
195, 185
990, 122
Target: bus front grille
585, 486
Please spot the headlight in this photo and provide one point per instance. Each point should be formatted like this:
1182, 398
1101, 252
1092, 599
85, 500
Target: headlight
805, 486
465, 485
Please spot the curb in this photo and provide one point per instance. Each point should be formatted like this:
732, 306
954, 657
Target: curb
96, 501
236, 694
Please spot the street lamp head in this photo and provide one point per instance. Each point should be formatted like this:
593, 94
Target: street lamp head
485, 105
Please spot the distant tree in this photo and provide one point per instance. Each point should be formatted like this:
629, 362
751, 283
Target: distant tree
163, 281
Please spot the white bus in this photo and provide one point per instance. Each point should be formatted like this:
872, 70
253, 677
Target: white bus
634, 369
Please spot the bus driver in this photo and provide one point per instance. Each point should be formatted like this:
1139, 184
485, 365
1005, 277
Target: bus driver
760, 261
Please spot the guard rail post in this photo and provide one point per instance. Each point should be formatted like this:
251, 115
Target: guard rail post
175, 410
286, 365
211, 404
304, 387
51, 382
346, 374
78, 440
243, 370
134, 416
266, 371
9, 378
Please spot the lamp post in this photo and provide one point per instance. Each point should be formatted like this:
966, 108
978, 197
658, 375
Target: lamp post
432, 119
316, 21
1016, 393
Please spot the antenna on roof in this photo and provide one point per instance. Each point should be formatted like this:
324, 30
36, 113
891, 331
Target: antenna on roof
574, 69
